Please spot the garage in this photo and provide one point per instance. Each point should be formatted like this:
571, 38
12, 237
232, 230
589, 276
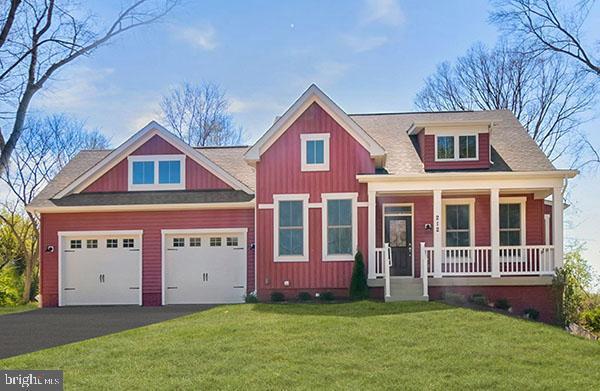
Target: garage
100, 268
204, 266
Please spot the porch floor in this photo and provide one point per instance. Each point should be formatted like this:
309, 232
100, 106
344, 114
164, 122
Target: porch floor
402, 288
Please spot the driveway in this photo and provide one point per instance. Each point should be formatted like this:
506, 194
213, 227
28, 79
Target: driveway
47, 327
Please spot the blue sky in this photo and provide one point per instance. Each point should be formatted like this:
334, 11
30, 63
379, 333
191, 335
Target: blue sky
369, 56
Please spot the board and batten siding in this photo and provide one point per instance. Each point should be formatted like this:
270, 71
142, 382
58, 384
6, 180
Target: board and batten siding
427, 147
151, 222
279, 172
196, 176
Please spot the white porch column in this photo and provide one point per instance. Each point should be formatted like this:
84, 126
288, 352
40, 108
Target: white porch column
557, 225
437, 233
495, 230
372, 231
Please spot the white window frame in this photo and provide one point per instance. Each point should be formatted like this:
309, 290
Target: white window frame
522, 201
156, 185
460, 201
314, 137
457, 147
326, 197
290, 197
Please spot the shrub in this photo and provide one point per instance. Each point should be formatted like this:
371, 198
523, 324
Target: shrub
277, 297
502, 304
251, 298
455, 298
304, 296
591, 319
359, 289
479, 299
327, 296
531, 313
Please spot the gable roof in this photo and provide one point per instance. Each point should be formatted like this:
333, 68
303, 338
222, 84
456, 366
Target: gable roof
134, 142
231, 159
311, 95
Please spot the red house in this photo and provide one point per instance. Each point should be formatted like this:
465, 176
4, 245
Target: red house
435, 201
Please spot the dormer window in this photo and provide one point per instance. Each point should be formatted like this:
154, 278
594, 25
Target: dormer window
456, 147
156, 172
314, 152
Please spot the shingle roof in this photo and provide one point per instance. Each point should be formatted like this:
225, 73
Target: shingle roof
231, 159
513, 148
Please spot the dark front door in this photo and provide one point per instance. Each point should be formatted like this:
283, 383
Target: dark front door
398, 233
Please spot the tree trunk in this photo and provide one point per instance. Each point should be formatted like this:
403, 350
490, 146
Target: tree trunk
27, 279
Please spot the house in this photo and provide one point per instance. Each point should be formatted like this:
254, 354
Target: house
437, 201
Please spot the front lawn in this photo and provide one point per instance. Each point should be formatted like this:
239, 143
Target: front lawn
334, 346
18, 308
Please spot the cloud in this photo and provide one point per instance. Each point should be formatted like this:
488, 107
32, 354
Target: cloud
361, 44
383, 11
203, 38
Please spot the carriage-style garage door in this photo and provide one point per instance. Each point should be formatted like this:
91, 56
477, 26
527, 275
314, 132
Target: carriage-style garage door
204, 266
100, 268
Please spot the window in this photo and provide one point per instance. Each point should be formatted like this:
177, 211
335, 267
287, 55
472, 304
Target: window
169, 171
314, 151
112, 243
339, 227
232, 242
128, 243
143, 173
459, 147
156, 172
291, 233
195, 242
178, 242
91, 243
76, 243
512, 223
458, 225
215, 242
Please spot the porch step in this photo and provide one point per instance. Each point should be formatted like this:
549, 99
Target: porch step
406, 289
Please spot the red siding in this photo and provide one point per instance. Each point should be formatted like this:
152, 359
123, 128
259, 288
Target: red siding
151, 223
196, 176
278, 172
427, 145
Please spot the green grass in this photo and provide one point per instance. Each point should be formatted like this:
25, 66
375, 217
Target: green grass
18, 308
364, 345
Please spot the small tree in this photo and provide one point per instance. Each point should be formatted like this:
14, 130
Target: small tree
358, 285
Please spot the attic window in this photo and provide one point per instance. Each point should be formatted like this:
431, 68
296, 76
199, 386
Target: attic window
156, 172
456, 147
314, 152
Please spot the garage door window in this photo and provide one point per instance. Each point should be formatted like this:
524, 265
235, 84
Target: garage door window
75, 243
195, 242
128, 243
215, 242
92, 243
232, 242
112, 243
178, 242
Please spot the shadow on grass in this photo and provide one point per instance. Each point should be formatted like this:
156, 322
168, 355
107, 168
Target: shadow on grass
352, 309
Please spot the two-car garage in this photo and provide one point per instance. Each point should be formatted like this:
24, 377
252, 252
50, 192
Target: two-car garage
199, 266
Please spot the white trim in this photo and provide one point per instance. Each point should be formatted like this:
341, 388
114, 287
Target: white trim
193, 231
156, 159
304, 137
522, 201
456, 137
371, 227
62, 234
453, 176
362, 204
546, 229
142, 136
412, 231
315, 205
311, 95
266, 206
326, 197
417, 127
459, 201
305, 226
142, 207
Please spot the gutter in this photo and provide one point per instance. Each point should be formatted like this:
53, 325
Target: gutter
141, 207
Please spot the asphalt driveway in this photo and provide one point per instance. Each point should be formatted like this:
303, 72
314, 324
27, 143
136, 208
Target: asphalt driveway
47, 327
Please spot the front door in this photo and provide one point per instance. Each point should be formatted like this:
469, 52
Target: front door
398, 233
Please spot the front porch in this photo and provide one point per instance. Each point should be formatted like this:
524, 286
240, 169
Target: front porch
455, 233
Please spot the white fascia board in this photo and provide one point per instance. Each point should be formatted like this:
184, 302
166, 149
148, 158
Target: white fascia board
416, 127
440, 176
136, 208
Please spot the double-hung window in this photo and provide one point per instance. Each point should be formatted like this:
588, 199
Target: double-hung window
291, 228
457, 147
512, 222
157, 172
459, 221
339, 226
314, 151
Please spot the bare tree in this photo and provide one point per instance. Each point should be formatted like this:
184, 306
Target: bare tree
46, 146
199, 115
549, 26
40, 37
549, 98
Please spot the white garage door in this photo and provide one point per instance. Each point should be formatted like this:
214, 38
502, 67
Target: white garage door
204, 267
100, 268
